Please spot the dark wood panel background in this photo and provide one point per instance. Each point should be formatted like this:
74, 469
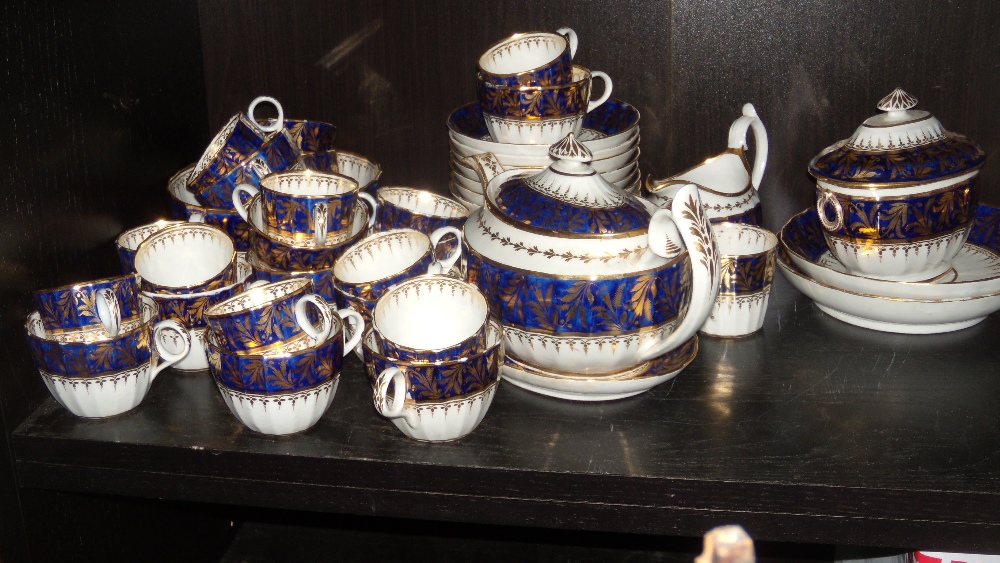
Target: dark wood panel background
100, 102
389, 73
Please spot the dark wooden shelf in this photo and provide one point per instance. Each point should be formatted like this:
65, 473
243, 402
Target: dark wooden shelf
810, 431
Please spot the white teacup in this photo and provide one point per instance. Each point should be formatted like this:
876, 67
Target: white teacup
382, 260
747, 255
431, 318
186, 258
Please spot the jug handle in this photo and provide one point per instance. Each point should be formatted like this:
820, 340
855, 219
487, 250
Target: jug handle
738, 140
699, 238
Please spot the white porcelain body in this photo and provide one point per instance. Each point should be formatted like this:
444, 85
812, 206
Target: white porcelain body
538, 155
624, 255
471, 200
907, 316
904, 260
105, 395
440, 421
747, 266
728, 185
281, 413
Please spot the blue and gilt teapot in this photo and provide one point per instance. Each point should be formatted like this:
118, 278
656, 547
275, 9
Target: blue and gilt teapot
588, 280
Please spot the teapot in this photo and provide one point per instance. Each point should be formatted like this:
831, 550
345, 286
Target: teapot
587, 279
729, 187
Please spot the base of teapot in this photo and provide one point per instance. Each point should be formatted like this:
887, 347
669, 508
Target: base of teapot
584, 388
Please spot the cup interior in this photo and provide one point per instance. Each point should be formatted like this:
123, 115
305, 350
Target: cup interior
381, 255
523, 52
735, 239
430, 313
184, 255
308, 183
260, 297
422, 202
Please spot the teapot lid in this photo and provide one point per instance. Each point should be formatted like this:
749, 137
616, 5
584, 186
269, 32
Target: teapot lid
901, 145
571, 197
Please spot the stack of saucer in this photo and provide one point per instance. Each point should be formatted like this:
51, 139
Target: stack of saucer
898, 240
530, 96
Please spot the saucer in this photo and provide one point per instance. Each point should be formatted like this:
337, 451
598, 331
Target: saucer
975, 271
601, 388
890, 314
607, 126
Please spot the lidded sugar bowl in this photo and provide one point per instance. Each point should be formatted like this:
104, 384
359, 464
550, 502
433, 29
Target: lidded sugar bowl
587, 279
897, 199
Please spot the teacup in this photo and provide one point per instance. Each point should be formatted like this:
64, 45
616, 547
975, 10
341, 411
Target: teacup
747, 255
382, 260
436, 402
540, 114
279, 152
285, 392
239, 138
322, 279
268, 316
364, 171
431, 318
530, 59
186, 258
109, 376
128, 242
305, 204
420, 210
101, 304
288, 253
183, 205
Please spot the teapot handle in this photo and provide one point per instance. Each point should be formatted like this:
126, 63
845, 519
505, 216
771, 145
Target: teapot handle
738, 139
699, 238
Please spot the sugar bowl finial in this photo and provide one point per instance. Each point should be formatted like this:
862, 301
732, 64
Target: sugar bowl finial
898, 100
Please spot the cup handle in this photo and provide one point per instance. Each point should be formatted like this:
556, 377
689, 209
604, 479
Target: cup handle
450, 261
357, 329
109, 311
607, 89
372, 204
160, 334
196, 217
571, 38
325, 320
395, 408
278, 123
320, 222
238, 201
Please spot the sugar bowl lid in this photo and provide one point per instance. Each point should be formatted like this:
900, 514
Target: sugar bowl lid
900, 146
571, 197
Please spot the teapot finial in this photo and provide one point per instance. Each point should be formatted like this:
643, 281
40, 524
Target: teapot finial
898, 100
570, 149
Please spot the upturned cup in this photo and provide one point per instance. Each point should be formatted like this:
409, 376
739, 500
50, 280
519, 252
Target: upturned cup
535, 58
431, 318
241, 137
183, 205
268, 317
278, 153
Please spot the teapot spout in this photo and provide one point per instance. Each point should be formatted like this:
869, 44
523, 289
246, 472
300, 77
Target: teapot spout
689, 217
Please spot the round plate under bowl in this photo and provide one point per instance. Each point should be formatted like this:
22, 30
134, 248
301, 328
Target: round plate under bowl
601, 388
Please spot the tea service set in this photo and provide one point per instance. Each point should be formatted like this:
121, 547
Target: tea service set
550, 268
